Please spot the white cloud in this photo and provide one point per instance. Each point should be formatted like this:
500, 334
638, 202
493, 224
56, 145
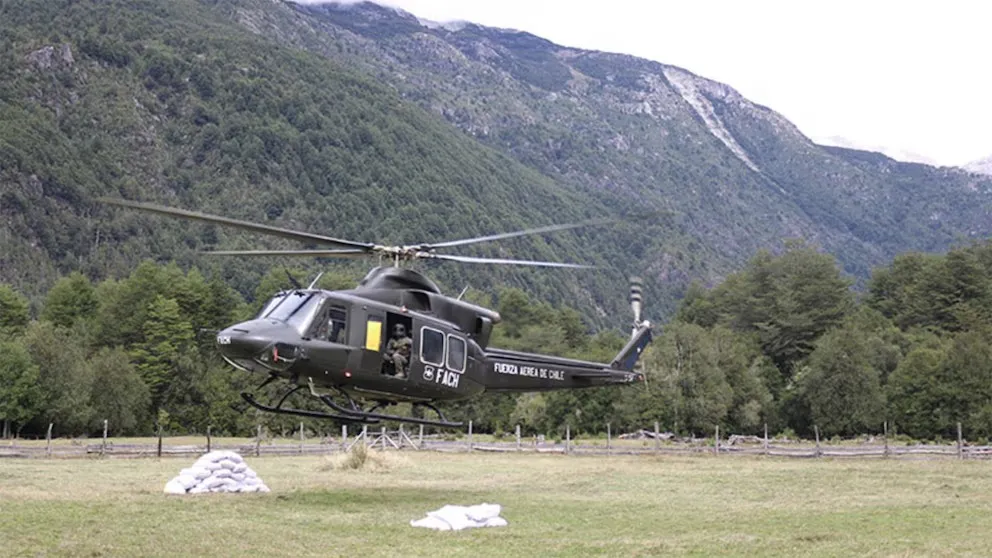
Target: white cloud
910, 76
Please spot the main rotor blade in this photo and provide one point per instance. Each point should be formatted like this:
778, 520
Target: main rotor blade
470, 259
343, 253
245, 225
550, 228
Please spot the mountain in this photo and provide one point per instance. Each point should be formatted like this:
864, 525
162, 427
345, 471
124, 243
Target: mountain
614, 128
981, 166
363, 122
903, 155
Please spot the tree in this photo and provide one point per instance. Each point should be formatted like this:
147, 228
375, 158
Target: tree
71, 298
914, 391
788, 301
65, 377
13, 312
166, 338
20, 397
119, 395
841, 387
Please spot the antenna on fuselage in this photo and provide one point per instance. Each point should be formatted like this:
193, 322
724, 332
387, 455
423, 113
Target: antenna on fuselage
315, 279
461, 294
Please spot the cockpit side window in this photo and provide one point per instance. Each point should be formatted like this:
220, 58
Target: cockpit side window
331, 324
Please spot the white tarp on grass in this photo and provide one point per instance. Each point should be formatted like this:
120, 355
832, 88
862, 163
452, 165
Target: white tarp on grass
456, 518
217, 471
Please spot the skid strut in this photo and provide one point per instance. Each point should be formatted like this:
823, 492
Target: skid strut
356, 410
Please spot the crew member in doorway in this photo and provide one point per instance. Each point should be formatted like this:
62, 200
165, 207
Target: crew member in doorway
398, 350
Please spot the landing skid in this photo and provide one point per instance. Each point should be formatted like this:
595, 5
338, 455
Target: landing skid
301, 412
356, 411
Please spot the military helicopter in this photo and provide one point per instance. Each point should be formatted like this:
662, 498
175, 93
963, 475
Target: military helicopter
394, 337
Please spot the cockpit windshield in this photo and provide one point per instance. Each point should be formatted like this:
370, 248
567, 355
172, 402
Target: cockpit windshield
296, 308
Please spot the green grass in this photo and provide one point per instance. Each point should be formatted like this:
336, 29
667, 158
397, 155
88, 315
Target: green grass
556, 506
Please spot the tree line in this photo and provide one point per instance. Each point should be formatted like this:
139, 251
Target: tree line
785, 342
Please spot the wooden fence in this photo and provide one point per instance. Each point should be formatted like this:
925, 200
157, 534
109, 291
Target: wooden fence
643, 442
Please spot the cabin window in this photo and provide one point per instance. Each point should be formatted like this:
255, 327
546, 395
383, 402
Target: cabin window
456, 353
431, 346
373, 334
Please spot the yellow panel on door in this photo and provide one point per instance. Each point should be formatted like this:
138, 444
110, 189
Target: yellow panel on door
373, 335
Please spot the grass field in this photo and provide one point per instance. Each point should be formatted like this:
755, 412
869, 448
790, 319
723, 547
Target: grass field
556, 506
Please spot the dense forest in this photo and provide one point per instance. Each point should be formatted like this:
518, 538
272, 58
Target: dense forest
784, 342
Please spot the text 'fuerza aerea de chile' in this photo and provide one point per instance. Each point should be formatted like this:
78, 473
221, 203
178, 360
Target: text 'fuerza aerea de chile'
529, 371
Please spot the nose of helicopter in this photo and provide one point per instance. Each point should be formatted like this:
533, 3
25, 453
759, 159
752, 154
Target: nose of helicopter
260, 342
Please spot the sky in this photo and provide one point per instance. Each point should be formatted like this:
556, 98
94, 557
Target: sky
908, 78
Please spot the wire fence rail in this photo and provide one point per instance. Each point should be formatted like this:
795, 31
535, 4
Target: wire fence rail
643, 442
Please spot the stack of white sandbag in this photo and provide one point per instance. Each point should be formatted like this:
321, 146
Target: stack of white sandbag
456, 518
217, 471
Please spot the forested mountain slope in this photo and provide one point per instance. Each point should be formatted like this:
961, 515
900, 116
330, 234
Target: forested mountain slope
366, 123
172, 102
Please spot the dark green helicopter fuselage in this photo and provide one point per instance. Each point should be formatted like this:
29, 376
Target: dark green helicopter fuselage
337, 339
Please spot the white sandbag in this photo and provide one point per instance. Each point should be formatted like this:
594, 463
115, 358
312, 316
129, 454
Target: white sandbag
213, 482
240, 467
251, 481
262, 488
199, 490
431, 522
456, 518
453, 516
249, 473
212, 466
221, 474
174, 487
483, 512
227, 464
249, 488
496, 522
240, 477
187, 481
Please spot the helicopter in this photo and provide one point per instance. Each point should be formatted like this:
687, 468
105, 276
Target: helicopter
395, 337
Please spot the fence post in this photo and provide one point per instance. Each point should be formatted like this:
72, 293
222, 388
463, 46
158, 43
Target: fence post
765, 441
48, 441
960, 443
470, 436
885, 436
657, 438
401, 435
609, 439
158, 452
103, 447
258, 440
568, 437
301, 437
420, 439
716, 441
365, 435
816, 431
382, 432
518, 437
208, 438
344, 436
